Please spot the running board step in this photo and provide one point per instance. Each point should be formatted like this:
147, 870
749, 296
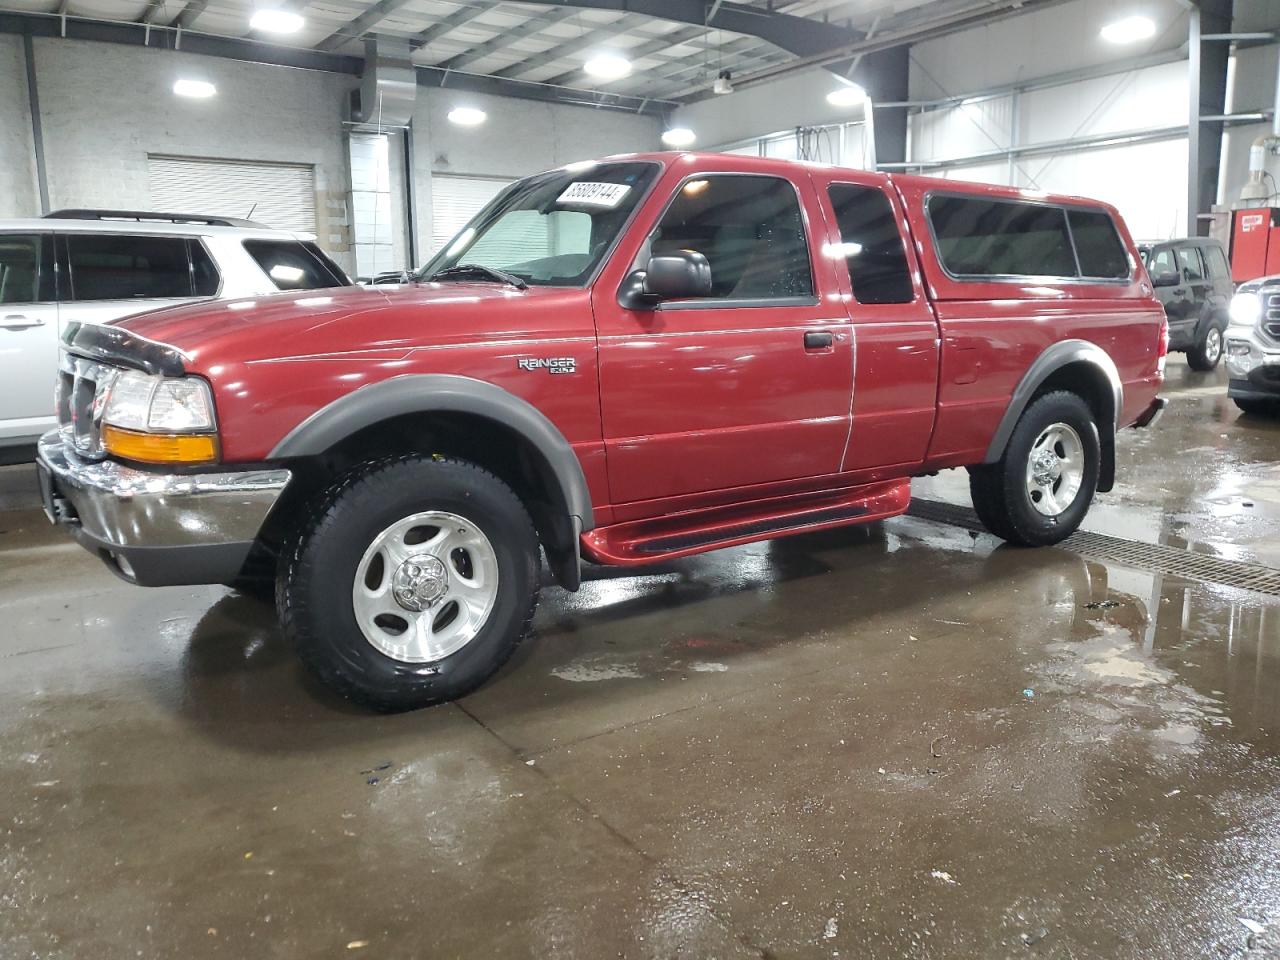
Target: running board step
696, 531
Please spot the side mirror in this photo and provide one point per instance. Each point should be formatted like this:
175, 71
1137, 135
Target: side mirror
1165, 278
682, 275
678, 276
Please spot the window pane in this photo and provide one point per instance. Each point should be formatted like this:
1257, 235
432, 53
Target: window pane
20, 268
552, 229
290, 265
749, 229
106, 267
204, 272
1189, 262
1162, 262
871, 244
1218, 265
1098, 245
989, 238
523, 237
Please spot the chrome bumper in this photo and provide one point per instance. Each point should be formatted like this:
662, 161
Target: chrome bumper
158, 528
1248, 356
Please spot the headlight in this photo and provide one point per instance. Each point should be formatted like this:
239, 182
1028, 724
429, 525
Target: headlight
159, 419
1246, 309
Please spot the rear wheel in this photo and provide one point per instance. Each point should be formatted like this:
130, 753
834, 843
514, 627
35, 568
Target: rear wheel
411, 582
1255, 406
1207, 351
1039, 491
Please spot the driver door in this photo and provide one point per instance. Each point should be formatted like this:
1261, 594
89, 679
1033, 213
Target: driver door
748, 386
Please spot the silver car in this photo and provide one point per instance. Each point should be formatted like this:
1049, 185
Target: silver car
99, 265
1253, 346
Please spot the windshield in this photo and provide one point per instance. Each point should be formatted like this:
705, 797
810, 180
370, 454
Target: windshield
552, 229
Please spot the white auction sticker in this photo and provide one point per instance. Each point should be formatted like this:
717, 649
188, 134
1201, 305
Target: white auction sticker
588, 194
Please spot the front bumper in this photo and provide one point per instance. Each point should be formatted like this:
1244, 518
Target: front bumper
1253, 364
157, 529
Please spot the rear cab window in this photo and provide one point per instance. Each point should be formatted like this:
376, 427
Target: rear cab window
295, 265
979, 238
871, 245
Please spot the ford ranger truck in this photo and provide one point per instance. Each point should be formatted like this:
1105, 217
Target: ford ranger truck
619, 362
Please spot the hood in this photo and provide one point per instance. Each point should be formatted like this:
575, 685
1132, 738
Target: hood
1253, 286
383, 320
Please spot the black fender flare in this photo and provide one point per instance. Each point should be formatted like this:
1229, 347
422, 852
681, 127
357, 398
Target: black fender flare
1051, 359
449, 393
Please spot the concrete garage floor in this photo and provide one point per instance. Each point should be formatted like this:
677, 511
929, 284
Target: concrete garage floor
897, 741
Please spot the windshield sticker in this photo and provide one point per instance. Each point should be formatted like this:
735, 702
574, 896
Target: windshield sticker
588, 194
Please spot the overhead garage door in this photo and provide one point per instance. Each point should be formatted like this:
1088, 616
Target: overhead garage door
280, 195
455, 200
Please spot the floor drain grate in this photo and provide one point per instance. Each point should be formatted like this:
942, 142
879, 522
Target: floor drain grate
1171, 561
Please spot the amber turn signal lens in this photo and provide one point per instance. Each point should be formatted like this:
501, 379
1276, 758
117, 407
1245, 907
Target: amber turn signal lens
160, 447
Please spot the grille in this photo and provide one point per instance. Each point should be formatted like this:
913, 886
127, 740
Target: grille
1170, 561
81, 396
1271, 315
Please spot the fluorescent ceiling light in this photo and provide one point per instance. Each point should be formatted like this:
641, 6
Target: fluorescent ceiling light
607, 66
467, 116
276, 21
678, 137
1129, 30
847, 95
285, 273
200, 89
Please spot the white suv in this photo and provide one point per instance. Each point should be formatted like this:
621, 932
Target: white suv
100, 265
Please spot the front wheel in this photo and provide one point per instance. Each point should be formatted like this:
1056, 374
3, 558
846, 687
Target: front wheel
1207, 351
411, 582
1256, 407
1039, 491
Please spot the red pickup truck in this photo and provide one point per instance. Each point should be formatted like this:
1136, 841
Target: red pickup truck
621, 361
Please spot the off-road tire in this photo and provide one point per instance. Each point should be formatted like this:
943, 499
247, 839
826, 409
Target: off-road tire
1257, 407
317, 570
1201, 356
999, 490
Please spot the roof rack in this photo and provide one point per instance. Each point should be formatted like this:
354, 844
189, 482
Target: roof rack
144, 216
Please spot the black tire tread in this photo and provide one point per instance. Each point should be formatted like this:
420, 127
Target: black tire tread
1196, 358
290, 607
994, 499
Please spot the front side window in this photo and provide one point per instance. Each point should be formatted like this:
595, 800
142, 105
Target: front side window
1189, 264
552, 229
112, 267
995, 238
1161, 261
871, 245
750, 230
1098, 245
292, 265
26, 272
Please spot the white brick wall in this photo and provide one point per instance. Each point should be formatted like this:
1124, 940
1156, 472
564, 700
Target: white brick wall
105, 107
18, 194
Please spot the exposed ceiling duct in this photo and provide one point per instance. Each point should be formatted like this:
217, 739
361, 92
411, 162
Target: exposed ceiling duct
388, 87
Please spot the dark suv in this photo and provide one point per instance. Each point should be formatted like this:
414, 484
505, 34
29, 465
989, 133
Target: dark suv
1193, 280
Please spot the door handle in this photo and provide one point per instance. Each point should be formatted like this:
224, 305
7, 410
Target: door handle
818, 340
16, 321
1179, 291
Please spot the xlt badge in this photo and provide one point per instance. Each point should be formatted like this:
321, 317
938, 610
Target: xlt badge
550, 364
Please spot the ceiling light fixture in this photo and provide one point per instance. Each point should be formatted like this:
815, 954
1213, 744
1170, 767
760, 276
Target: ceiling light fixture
274, 20
678, 137
199, 89
847, 95
607, 66
467, 116
1129, 30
